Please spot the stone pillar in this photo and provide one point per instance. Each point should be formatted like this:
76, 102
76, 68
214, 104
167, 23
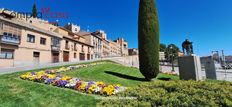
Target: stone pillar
210, 69
190, 68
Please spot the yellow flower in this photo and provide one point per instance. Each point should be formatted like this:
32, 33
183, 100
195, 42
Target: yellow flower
118, 85
109, 90
82, 87
32, 78
100, 83
65, 78
40, 73
51, 76
24, 76
92, 89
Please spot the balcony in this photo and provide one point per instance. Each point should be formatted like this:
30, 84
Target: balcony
55, 48
67, 47
55, 44
75, 49
10, 39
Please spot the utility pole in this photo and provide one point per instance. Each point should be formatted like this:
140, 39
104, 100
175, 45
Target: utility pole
172, 59
224, 63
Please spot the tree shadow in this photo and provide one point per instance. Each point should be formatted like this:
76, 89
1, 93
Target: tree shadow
125, 76
164, 78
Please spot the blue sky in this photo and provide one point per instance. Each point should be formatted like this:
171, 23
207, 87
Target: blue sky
207, 23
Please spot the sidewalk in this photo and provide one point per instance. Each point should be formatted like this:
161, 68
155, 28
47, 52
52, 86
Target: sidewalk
9, 70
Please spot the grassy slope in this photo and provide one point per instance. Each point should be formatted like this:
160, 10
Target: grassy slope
21, 93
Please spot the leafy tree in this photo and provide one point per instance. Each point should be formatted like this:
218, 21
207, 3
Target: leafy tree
149, 40
162, 47
34, 11
172, 49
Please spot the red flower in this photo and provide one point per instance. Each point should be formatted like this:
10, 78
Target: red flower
78, 84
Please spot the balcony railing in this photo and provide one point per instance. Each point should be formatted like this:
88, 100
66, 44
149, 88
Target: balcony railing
13, 40
67, 47
55, 48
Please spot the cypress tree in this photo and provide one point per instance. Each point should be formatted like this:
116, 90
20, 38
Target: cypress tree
148, 38
34, 11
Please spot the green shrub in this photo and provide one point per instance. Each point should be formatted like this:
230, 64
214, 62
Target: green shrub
176, 94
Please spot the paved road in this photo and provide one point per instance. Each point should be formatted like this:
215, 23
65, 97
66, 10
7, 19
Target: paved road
8, 70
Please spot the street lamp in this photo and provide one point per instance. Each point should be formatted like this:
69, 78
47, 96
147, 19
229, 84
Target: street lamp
172, 59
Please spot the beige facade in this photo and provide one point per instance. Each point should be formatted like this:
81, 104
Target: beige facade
105, 44
115, 49
105, 48
73, 46
133, 51
23, 44
35, 41
162, 56
95, 40
123, 46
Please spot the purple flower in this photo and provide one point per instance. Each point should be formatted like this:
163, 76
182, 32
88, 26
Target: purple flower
32, 73
48, 81
91, 82
58, 76
48, 72
116, 87
61, 83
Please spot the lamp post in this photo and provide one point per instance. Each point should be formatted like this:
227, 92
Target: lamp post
172, 58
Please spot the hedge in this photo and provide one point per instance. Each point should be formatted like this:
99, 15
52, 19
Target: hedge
175, 94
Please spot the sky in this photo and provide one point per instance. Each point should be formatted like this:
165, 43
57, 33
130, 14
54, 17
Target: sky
207, 23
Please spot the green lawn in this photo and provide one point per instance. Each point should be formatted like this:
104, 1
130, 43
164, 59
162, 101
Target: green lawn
22, 93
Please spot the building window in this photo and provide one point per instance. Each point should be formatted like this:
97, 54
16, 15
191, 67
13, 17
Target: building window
66, 45
55, 42
43, 41
75, 55
82, 57
6, 54
1, 25
30, 38
82, 48
75, 47
36, 54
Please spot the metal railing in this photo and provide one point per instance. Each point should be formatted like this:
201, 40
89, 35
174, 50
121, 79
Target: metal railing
10, 39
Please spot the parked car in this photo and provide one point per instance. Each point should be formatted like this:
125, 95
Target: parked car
227, 66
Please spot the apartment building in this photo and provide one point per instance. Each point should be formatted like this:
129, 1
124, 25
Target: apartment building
74, 46
106, 48
24, 44
94, 40
32, 41
123, 45
105, 44
162, 56
133, 51
115, 49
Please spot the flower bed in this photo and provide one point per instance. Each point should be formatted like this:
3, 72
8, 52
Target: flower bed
53, 77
